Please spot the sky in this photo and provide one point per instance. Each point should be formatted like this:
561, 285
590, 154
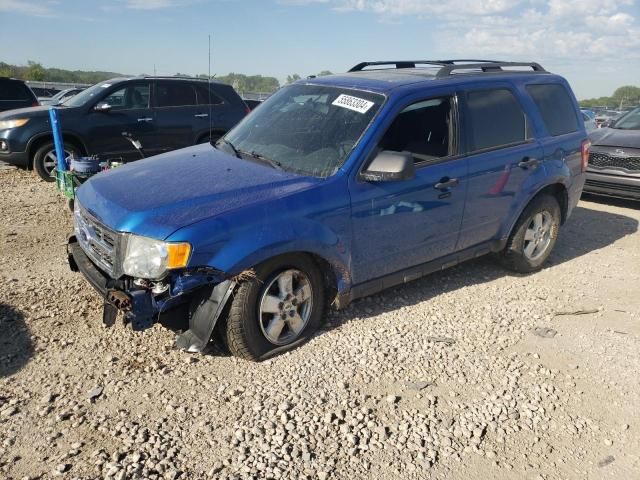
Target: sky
595, 44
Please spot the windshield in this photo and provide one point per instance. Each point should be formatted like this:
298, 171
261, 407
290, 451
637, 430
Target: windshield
631, 121
87, 95
308, 129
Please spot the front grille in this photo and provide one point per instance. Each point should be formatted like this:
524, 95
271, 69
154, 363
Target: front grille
100, 243
611, 160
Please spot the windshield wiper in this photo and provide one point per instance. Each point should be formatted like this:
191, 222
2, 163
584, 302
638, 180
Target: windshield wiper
227, 142
274, 163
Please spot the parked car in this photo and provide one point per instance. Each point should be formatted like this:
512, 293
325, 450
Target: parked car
15, 94
589, 122
335, 188
61, 96
605, 117
42, 92
614, 161
163, 114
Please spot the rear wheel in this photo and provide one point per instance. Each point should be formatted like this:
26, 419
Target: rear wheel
534, 236
277, 310
45, 160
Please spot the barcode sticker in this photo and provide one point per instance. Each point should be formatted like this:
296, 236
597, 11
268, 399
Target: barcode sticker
356, 104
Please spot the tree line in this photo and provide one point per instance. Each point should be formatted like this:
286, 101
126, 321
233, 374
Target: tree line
626, 96
36, 72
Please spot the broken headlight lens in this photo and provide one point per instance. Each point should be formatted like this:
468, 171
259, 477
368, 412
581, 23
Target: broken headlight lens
150, 259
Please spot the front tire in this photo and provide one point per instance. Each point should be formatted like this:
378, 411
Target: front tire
534, 236
45, 160
277, 310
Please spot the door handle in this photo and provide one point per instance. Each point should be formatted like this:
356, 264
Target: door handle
446, 182
145, 119
201, 115
528, 162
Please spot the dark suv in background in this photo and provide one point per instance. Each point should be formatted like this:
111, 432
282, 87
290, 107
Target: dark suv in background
15, 94
162, 113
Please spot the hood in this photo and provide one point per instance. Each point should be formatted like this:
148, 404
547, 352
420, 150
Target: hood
615, 137
34, 112
159, 195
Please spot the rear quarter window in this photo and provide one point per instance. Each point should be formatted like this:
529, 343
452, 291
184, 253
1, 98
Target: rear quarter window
10, 90
556, 108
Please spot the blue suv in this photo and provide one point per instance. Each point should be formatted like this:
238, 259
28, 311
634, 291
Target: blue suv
335, 188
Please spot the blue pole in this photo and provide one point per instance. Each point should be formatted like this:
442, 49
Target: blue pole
57, 139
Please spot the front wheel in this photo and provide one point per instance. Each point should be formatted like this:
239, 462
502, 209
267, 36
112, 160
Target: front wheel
534, 236
45, 160
277, 310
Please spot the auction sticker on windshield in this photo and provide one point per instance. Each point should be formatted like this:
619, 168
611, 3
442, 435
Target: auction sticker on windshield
356, 104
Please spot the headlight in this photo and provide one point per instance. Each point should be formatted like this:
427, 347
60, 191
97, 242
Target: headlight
150, 259
6, 124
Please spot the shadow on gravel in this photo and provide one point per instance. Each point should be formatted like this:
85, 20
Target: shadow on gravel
15, 341
589, 230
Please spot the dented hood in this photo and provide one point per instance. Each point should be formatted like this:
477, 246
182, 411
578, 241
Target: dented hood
157, 196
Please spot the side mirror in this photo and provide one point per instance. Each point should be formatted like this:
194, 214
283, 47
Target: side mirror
389, 166
102, 107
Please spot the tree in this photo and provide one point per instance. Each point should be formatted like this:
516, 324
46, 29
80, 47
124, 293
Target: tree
626, 95
293, 78
35, 71
324, 73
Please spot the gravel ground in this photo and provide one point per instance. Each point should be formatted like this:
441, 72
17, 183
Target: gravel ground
471, 373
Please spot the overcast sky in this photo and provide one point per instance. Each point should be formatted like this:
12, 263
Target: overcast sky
595, 44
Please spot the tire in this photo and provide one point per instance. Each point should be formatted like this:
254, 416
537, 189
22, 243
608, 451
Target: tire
253, 331
45, 157
534, 236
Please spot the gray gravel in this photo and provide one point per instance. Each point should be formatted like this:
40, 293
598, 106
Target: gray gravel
456, 375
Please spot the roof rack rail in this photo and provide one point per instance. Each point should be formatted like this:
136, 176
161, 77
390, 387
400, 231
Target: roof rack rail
447, 67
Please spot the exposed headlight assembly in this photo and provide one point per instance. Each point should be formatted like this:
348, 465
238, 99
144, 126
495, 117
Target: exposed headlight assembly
150, 259
18, 122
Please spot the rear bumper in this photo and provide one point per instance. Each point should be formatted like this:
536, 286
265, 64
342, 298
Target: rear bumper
20, 159
623, 186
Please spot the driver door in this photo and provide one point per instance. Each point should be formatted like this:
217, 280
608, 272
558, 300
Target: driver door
130, 115
401, 224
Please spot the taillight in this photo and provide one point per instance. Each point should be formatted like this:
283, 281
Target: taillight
35, 104
247, 110
586, 145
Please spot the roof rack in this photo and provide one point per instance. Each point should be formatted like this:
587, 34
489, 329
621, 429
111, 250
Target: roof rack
447, 67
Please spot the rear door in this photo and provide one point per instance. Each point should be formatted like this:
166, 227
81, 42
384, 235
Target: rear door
504, 158
130, 115
176, 114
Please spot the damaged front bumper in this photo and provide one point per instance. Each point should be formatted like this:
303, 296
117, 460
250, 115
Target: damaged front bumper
144, 304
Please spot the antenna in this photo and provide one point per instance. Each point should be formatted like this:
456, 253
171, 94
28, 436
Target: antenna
209, 87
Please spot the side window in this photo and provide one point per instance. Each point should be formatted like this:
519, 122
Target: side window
495, 119
556, 108
423, 128
130, 97
204, 95
175, 94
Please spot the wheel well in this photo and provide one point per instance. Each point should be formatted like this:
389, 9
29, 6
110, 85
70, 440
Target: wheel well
559, 192
37, 143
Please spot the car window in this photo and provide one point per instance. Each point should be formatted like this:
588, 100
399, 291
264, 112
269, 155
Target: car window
175, 94
556, 108
630, 121
423, 128
12, 90
495, 119
132, 96
206, 97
